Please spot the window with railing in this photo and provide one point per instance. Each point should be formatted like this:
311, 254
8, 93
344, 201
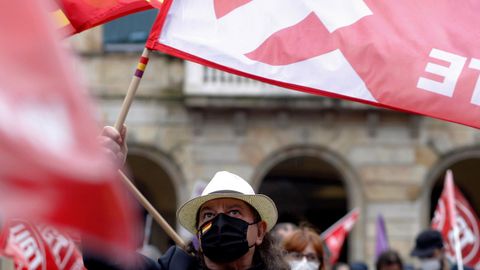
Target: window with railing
205, 81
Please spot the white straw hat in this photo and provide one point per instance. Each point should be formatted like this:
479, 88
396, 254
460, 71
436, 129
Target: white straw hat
227, 185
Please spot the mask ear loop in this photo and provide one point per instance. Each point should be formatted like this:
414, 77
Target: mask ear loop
253, 223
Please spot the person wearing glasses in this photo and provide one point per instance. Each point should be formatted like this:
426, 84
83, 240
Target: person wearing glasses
304, 250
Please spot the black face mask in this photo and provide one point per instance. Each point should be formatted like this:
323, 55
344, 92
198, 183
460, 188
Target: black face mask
224, 238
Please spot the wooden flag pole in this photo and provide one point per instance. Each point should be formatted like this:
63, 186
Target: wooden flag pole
127, 102
153, 212
132, 89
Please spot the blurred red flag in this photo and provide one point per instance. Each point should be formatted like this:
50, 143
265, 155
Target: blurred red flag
402, 55
39, 247
78, 15
334, 237
467, 222
51, 165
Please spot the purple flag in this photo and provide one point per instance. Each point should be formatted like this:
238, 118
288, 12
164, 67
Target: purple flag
381, 243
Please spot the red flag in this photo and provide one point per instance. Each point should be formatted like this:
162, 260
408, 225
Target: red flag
52, 167
78, 15
468, 225
335, 236
397, 54
39, 247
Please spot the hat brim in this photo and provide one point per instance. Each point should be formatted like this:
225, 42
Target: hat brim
187, 213
422, 253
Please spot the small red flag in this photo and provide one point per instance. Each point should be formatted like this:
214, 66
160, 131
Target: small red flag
467, 223
334, 237
39, 247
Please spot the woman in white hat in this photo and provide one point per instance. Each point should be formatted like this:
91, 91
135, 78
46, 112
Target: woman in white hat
231, 223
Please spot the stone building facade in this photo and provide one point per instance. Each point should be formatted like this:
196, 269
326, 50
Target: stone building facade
317, 157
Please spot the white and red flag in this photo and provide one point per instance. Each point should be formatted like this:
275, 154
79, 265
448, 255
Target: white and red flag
39, 247
416, 56
52, 168
466, 221
335, 236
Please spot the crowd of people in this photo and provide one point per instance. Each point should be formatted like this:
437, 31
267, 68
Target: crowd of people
237, 229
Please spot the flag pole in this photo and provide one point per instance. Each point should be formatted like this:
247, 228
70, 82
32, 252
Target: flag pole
452, 216
132, 89
127, 102
153, 212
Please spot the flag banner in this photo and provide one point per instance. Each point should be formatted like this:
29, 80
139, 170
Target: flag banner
39, 247
335, 236
52, 168
381, 238
467, 223
75, 16
402, 55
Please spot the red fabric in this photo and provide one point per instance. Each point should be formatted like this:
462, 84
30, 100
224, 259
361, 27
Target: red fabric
335, 236
395, 50
85, 14
223, 7
39, 247
468, 225
53, 168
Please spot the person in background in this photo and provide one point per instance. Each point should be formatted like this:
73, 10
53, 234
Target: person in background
304, 249
283, 230
430, 251
340, 266
389, 260
359, 265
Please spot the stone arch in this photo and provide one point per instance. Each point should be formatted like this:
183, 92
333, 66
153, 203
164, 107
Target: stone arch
160, 180
457, 160
348, 176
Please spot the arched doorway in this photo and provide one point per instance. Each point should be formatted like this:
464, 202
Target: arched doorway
465, 167
313, 185
155, 176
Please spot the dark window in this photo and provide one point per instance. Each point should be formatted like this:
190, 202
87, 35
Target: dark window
129, 33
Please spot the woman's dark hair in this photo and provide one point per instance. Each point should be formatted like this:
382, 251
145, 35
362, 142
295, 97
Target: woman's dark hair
270, 254
389, 257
